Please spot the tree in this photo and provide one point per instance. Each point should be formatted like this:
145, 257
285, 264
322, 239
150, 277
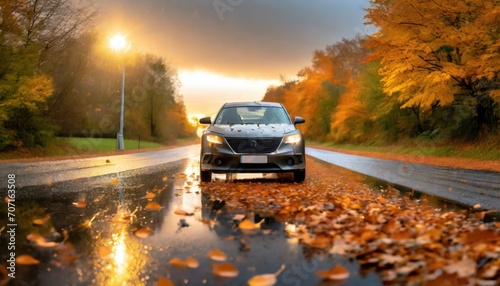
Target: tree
30, 33
435, 50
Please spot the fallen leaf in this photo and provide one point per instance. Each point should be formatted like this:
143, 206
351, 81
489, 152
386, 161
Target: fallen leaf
225, 270
80, 204
182, 212
248, 226
149, 195
462, 268
153, 206
482, 235
162, 281
104, 252
143, 232
41, 221
26, 259
191, 262
177, 262
265, 279
338, 272
217, 255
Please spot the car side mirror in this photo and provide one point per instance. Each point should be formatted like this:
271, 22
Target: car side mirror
205, 120
299, 120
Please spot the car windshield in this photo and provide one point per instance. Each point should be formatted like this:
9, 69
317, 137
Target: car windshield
252, 115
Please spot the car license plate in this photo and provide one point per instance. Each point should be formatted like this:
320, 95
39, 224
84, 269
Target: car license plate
253, 159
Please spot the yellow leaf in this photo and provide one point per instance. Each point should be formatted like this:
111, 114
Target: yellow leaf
225, 270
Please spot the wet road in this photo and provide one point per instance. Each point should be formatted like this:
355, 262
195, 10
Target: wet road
467, 187
100, 222
48, 172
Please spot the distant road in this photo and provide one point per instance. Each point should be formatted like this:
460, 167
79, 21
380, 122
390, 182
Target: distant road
464, 186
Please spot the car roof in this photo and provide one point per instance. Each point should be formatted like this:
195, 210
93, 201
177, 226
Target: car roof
253, 103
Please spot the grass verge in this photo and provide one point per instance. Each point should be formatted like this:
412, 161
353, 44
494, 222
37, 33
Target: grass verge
74, 146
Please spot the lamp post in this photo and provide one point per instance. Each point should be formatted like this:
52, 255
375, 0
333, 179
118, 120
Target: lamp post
118, 43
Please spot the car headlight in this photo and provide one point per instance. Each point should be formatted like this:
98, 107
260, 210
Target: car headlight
295, 138
212, 138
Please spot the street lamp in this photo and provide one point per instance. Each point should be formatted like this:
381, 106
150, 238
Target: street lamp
118, 43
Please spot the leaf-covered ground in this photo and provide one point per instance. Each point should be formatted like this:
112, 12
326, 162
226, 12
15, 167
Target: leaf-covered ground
407, 241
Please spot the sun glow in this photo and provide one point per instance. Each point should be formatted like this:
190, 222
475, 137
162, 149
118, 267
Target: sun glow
118, 42
204, 92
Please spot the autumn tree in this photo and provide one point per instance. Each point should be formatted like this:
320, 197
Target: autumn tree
434, 51
31, 32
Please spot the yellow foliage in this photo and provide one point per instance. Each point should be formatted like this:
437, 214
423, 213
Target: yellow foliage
32, 93
433, 49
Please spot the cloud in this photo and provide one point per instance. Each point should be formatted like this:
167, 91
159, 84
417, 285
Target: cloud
244, 38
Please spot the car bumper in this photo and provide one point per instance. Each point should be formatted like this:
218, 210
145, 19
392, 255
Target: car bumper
222, 159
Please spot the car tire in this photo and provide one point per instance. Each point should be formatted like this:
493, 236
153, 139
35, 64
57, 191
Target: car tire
299, 176
205, 176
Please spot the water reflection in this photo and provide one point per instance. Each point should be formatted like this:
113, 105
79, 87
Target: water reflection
103, 235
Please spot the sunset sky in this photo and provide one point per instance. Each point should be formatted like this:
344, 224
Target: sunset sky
232, 50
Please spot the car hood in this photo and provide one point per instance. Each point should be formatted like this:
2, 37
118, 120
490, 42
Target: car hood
253, 130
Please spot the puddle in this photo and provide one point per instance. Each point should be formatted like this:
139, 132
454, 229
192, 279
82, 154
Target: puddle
125, 230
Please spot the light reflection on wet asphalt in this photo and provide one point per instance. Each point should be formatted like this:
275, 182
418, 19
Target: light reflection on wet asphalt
101, 248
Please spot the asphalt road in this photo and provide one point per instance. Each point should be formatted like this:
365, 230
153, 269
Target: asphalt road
463, 186
467, 187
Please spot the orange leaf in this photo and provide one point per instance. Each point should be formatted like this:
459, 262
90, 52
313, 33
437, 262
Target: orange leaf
225, 270
181, 212
104, 252
338, 272
27, 259
162, 281
153, 206
149, 195
191, 262
217, 255
80, 204
143, 232
177, 262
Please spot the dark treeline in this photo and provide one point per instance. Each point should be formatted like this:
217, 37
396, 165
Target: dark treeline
58, 77
429, 72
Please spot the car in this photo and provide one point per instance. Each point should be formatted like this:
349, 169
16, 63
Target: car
252, 137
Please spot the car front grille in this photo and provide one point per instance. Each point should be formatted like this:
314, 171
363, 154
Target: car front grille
254, 145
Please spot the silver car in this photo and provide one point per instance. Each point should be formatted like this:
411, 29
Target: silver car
252, 137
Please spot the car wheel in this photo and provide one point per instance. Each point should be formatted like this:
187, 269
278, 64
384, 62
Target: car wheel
299, 176
205, 176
